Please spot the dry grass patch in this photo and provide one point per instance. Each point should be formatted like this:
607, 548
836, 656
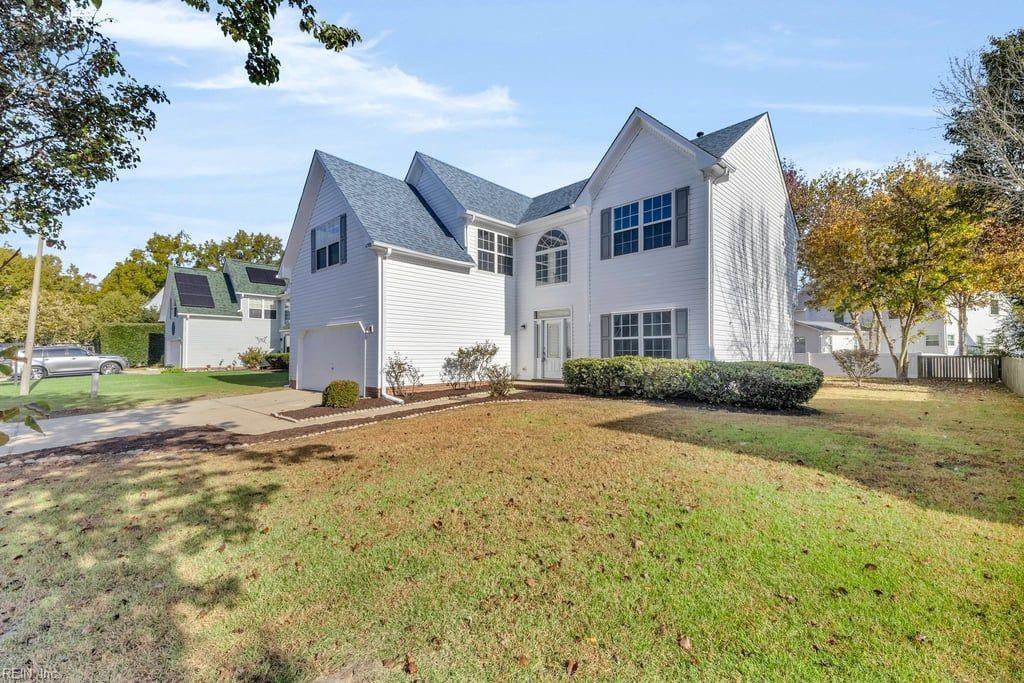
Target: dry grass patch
506, 541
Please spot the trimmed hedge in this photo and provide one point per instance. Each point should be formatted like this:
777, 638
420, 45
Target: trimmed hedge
341, 393
278, 361
755, 384
140, 343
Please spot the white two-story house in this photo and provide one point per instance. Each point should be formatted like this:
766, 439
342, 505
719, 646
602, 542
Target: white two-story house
673, 247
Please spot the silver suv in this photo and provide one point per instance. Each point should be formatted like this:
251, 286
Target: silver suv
52, 361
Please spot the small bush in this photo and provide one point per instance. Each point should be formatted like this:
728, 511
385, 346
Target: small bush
468, 364
253, 357
278, 361
499, 380
857, 363
341, 393
750, 383
399, 372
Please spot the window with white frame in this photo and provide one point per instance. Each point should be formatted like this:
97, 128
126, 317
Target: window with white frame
931, 340
658, 221
327, 242
799, 344
552, 258
493, 252
286, 311
642, 334
654, 223
993, 307
950, 340
262, 308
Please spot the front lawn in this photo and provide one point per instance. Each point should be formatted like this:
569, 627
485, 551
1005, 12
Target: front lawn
132, 389
878, 538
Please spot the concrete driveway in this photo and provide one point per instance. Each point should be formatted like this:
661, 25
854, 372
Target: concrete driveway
248, 414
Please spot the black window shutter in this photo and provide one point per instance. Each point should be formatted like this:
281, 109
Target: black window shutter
312, 250
606, 335
682, 333
343, 232
682, 216
606, 234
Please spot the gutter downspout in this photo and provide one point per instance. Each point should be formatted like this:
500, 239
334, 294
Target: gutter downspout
184, 340
711, 272
382, 254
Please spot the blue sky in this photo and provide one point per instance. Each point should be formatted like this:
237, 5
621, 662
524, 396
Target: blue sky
528, 94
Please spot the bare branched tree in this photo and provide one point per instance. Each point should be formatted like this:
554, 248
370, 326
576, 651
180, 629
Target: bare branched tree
984, 110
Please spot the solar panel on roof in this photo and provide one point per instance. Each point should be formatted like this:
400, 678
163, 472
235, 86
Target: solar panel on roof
193, 290
263, 276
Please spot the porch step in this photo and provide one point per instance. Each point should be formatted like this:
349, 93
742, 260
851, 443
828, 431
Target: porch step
540, 385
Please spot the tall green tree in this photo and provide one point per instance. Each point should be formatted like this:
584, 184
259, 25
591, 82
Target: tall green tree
70, 114
258, 247
984, 96
145, 270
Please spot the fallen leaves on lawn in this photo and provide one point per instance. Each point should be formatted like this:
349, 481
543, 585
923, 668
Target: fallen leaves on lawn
571, 667
410, 666
685, 643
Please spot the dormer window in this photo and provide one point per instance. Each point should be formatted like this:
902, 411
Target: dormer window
493, 252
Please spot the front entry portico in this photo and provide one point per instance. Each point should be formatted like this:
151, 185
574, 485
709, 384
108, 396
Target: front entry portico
552, 342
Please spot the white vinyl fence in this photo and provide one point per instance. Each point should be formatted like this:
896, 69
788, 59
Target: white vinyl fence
1013, 374
827, 364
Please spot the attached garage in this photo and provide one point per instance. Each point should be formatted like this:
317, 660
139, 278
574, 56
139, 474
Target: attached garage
329, 353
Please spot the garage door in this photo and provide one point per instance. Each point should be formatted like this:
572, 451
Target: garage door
330, 353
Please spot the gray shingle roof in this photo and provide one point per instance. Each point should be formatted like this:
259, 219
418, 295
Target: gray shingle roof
224, 300
825, 326
391, 211
553, 202
240, 278
718, 142
479, 195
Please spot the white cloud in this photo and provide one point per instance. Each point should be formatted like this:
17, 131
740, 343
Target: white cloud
755, 55
854, 109
353, 82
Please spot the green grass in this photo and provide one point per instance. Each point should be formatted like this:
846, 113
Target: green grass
132, 389
502, 541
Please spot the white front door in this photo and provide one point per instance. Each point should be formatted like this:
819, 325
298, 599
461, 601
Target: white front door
554, 346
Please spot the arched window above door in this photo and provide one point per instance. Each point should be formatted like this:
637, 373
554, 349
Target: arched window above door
552, 258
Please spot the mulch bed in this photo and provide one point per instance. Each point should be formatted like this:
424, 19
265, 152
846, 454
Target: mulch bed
212, 438
314, 412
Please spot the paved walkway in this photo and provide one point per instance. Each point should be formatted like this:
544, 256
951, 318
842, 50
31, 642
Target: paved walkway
248, 414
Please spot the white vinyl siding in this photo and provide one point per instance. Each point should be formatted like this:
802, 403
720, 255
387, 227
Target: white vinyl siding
336, 295
432, 310
754, 254
660, 279
216, 342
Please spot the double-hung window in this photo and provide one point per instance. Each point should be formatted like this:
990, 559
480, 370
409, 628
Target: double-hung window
650, 218
642, 334
931, 340
328, 244
262, 308
493, 252
625, 233
658, 221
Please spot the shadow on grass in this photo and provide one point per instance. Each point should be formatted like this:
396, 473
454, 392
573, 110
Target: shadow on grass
101, 565
932, 470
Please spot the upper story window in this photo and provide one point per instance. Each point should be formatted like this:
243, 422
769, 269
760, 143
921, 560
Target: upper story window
931, 340
839, 317
493, 252
328, 244
262, 308
286, 311
654, 222
993, 307
552, 258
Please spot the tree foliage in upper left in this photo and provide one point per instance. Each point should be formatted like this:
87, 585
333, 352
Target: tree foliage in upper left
70, 114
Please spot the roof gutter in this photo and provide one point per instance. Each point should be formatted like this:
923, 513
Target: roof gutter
386, 249
474, 216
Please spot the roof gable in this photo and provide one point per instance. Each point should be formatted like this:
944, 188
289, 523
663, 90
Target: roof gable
477, 194
391, 211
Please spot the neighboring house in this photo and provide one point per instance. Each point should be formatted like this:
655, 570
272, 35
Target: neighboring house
154, 303
211, 316
819, 330
673, 247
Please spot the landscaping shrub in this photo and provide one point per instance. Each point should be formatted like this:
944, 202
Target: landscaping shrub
140, 343
499, 380
341, 393
171, 371
253, 357
278, 361
468, 364
857, 363
400, 373
749, 383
